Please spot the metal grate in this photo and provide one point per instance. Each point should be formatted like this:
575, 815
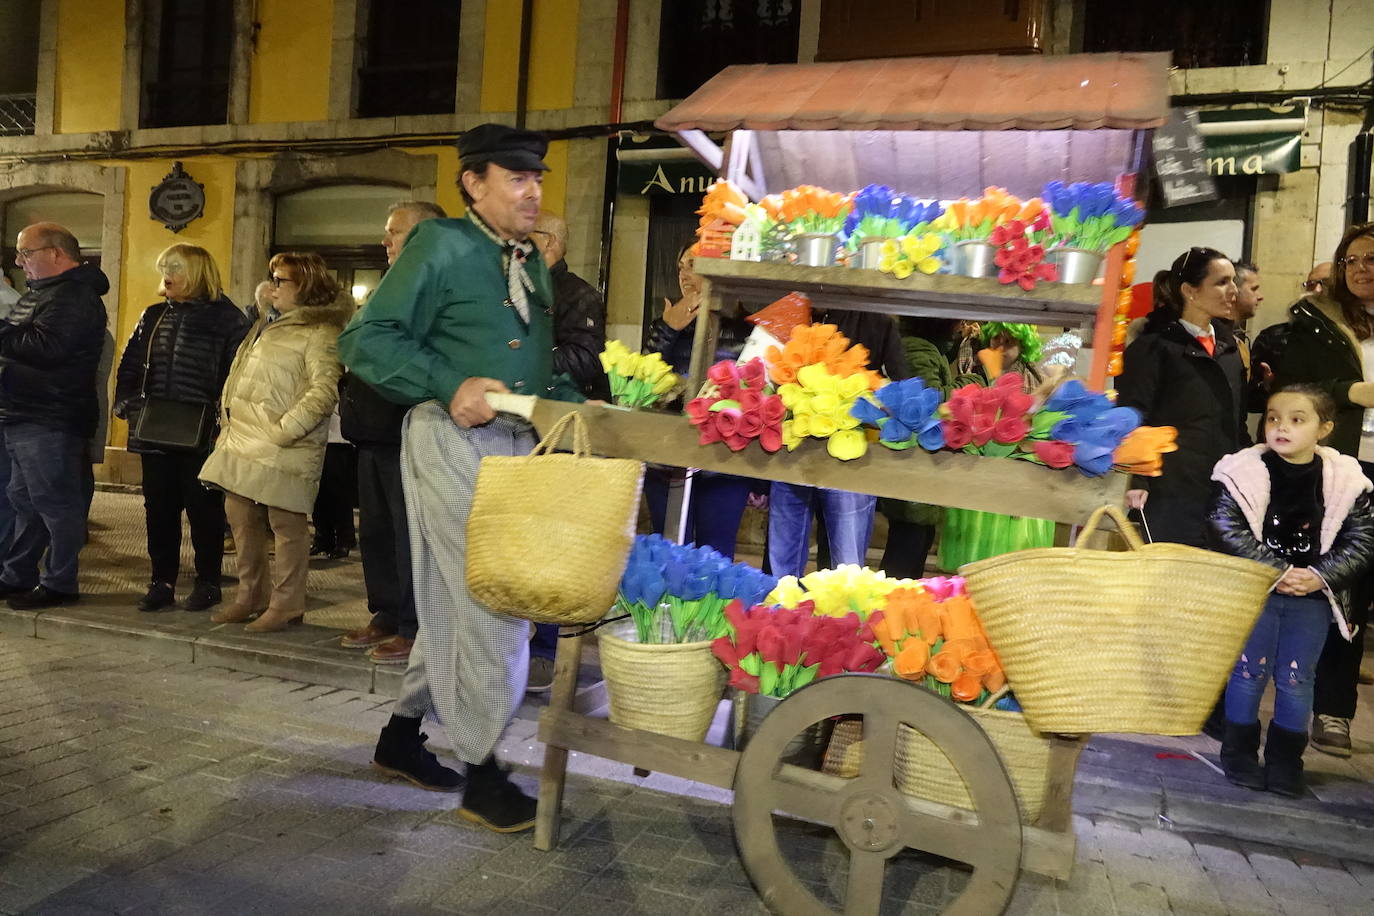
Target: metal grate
17, 114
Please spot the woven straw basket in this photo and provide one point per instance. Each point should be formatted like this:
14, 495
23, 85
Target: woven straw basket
549, 535
923, 770
671, 689
1101, 641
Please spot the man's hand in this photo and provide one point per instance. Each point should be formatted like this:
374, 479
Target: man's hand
1299, 582
1266, 376
1135, 499
469, 406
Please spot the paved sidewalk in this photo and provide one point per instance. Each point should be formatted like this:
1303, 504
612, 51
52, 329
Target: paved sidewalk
134, 784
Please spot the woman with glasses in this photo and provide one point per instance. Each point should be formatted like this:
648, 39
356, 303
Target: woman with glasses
1184, 371
1331, 345
277, 401
180, 351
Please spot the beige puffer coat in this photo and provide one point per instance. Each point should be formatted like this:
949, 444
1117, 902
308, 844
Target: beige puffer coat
276, 405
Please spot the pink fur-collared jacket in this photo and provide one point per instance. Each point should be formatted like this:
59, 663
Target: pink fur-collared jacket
1346, 539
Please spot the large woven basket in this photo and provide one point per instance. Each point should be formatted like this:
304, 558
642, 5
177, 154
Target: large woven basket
923, 770
549, 535
1134, 641
671, 689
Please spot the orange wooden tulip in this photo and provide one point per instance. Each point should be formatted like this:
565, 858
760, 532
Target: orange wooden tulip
943, 666
910, 663
995, 680
966, 687
960, 621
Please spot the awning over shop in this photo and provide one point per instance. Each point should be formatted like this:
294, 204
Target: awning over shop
944, 127
981, 92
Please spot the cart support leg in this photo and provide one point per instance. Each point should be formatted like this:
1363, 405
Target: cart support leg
567, 662
1056, 815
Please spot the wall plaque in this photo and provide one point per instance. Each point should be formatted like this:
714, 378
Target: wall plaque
177, 200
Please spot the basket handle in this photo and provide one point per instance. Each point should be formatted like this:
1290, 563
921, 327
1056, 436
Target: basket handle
1123, 524
582, 447
994, 697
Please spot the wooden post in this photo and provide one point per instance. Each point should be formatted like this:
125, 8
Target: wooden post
1056, 814
567, 662
1106, 316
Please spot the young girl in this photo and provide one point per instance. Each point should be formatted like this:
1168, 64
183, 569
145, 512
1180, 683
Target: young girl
1304, 509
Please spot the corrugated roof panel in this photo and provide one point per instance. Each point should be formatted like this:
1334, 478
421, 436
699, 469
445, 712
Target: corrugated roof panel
980, 92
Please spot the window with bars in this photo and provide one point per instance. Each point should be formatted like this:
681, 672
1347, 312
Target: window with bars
699, 38
409, 63
186, 51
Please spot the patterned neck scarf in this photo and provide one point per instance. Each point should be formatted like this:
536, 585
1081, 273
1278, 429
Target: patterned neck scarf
513, 255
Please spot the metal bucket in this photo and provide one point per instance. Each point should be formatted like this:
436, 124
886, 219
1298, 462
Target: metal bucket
816, 249
1076, 265
869, 254
975, 259
804, 750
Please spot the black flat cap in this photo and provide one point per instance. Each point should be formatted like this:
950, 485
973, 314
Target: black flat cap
509, 147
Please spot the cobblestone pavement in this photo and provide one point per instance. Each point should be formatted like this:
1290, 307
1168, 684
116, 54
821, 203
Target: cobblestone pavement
135, 784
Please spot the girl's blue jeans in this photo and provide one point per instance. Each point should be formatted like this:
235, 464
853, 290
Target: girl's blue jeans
1283, 646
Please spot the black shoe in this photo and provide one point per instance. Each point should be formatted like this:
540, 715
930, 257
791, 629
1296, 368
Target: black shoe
320, 548
1240, 755
401, 752
8, 591
40, 598
1283, 761
492, 801
160, 597
204, 595
1215, 726
339, 553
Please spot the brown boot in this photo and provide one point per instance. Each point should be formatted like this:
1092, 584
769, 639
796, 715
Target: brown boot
273, 620
234, 613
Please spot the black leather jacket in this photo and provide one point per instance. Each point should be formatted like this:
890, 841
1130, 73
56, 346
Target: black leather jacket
50, 349
579, 332
366, 417
1340, 567
189, 347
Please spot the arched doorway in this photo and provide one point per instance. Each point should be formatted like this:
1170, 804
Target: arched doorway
343, 224
81, 212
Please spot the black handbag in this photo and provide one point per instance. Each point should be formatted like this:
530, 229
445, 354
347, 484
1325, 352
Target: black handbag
167, 424
174, 426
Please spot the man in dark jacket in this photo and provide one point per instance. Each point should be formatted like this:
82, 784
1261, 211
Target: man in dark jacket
373, 424
579, 314
50, 349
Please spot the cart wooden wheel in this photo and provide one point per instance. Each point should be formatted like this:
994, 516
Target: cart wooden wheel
872, 817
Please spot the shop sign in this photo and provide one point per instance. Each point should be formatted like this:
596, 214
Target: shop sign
664, 178
1258, 154
1180, 163
177, 200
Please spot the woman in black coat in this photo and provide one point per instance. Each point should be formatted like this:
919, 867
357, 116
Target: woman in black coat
1330, 336
181, 350
1184, 371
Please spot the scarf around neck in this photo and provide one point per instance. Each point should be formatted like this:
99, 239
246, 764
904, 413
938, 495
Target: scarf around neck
513, 255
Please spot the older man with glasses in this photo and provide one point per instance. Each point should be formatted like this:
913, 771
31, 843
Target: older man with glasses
50, 355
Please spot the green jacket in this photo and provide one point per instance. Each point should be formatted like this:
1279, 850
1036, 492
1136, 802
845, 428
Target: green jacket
441, 315
1323, 350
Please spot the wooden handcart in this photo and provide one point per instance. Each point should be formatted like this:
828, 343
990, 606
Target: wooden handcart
947, 127
873, 818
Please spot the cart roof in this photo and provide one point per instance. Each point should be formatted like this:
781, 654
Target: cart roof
978, 92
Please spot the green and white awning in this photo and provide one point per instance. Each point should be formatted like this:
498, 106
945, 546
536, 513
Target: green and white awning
1253, 141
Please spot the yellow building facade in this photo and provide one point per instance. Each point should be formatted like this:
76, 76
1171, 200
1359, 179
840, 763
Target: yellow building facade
293, 164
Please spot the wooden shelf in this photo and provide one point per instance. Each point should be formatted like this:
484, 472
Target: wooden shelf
1056, 304
1002, 485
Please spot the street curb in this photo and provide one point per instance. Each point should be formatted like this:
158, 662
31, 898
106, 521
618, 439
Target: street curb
1312, 830
220, 646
